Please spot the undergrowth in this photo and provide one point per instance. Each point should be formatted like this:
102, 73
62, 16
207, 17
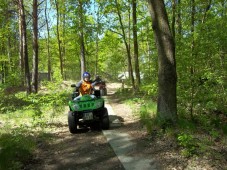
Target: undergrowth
194, 137
24, 119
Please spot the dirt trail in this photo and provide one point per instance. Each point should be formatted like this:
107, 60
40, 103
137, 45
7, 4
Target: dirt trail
89, 150
85, 150
80, 151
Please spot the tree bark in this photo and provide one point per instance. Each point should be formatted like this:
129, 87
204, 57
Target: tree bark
192, 69
135, 43
48, 44
9, 44
167, 102
58, 38
25, 46
126, 45
173, 18
63, 41
128, 40
21, 57
97, 43
35, 47
81, 37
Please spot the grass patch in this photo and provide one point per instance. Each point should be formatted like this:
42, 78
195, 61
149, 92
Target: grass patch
147, 115
16, 148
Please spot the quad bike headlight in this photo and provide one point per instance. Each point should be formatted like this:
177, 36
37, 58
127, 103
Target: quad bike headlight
99, 104
76, 106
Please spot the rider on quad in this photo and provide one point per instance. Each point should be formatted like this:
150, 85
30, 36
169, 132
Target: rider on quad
100, 85
87, 107
85, 86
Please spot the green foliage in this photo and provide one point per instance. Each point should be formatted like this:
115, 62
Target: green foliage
224, 128
150, 89
112, 56
3, 57
57, 76
35, 102
22, 115
183, 123
200, 59
144, 109
188, 143
13, 80
194, 137
145, 118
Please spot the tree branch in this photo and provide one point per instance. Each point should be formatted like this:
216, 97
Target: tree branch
115, 32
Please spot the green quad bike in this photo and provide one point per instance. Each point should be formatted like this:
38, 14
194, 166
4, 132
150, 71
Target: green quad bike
87, 111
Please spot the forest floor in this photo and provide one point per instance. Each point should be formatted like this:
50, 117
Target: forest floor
90, 149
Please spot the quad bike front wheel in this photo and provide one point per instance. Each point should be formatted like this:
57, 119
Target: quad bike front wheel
72, 122
105, 122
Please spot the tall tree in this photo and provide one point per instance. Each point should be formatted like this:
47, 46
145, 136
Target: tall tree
21, 58
135, 43
63, 18
58, 36
48, 42
167, 78
9, 53
223, 50
173, 18
5, 44
98, 17
81, 37
192, 68
130, 70
24, 44
35, 47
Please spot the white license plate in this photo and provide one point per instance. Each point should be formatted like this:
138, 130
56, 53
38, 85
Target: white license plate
88, 116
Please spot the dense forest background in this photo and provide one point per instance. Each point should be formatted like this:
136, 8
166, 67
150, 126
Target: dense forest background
61, 39
172, 54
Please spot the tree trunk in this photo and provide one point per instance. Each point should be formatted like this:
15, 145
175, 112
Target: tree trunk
21, 57
96, 53
81, 37
129, 41
58, 38
35, 47
149, 48
48, 44
167, 103
173, 18
192, 69
9, 52
25, 47
9, 44
126, 45
63, 41
136, 51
